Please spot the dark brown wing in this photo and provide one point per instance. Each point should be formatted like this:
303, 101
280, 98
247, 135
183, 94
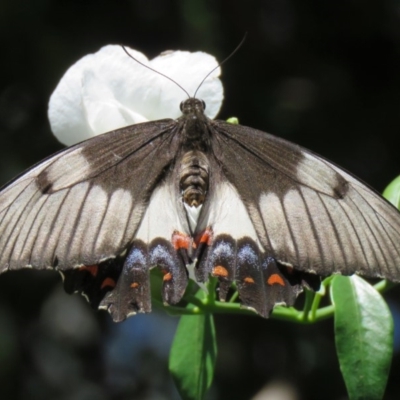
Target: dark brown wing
307, 212
83, 205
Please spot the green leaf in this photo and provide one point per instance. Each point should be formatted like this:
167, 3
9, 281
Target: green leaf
233, 120
392, 192
193, 355
364, 337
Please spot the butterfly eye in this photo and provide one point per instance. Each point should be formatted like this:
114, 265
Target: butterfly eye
181, 105
203, 104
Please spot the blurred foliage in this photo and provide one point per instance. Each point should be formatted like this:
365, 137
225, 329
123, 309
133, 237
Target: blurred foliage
322, 74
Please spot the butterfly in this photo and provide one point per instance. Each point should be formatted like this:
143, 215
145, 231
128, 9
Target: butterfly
195, 198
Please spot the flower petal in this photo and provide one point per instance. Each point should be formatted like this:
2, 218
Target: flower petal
188, 70
108, 90
103, 112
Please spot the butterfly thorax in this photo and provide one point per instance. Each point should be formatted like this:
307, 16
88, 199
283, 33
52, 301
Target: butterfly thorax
195, 124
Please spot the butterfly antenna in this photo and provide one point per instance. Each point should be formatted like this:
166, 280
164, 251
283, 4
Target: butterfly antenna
221, 63
157, 72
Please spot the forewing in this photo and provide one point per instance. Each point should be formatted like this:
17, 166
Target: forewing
307, 212
83, 205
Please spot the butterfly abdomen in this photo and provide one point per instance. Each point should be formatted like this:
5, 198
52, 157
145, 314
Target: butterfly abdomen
194, 178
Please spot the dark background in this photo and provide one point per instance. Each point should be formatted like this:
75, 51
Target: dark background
325, 75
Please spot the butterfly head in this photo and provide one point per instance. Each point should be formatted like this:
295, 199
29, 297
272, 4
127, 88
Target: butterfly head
193, 106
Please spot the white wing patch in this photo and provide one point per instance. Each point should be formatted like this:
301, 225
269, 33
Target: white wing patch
163, 216
68, 169
112, 229
227, 214
193, 214
278, 230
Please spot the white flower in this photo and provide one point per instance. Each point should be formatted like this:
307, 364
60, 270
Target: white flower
108, 90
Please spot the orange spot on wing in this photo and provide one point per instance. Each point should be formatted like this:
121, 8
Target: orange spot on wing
248, 279
180, 240
92, 269
220, 271
275, 279
108, 282
135, 285
167, 277
206, 237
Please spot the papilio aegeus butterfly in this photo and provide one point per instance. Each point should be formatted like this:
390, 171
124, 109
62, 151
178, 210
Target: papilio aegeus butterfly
197, 195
